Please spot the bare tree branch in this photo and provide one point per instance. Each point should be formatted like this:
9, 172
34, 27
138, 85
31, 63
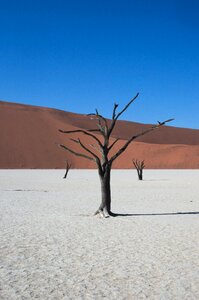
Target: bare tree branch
137, 136
89, 151
111, 146
98, 116
76, 153
96, 148
93, 130
103, 127
84, 132
75, 141
115, 117
139, 164
96, 158
85, 148
114, 110
125, 108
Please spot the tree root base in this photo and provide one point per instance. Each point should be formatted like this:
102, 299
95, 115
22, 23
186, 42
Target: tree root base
104, 213
101, 214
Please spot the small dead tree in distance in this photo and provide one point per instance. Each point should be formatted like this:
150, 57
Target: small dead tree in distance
68, 167
103, 161
139, 165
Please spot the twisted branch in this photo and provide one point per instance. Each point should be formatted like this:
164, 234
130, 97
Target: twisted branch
111, 146
115, 117
75, 153
137, 136
139, 165
84, 132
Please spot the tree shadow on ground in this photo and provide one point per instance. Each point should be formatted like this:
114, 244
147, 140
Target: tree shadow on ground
156, 180
157, 214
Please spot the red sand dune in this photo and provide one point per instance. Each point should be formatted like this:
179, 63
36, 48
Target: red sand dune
29, 138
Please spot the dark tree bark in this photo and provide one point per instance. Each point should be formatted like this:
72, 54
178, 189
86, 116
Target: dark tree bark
102, 145
68, 167
105, 206
139, 165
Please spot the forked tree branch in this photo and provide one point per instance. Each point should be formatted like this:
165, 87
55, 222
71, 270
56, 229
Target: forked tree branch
111, 146
93, 130
125, 108
75, 141
85, 148
96, 148
106, 133
139, 165
114, 110
89, 151
137, 136
102, 127
84, 132
115, 117
76, 153
98, 116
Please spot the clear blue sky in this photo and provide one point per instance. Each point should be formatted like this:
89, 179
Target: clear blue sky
82, 55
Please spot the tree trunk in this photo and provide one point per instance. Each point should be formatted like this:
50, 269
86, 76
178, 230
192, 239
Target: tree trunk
66, 174
105, 206
140, 175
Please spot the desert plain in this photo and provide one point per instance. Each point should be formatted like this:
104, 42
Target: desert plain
52, 247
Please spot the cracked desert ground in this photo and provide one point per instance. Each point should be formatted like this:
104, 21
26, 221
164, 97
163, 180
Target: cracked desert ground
52, 247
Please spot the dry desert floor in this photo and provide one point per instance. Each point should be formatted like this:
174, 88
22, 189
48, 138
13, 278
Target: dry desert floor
52, 247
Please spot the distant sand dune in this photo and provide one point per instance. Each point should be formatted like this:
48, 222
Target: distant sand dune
29, 137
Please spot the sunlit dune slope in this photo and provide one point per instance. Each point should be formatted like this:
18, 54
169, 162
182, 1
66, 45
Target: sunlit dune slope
29, 139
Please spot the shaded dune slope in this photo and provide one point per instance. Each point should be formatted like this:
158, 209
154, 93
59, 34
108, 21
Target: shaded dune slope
29, 138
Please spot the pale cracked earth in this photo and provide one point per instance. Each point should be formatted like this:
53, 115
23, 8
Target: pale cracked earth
52, 247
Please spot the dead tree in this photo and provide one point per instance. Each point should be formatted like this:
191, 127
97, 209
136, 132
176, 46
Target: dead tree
104, 160
139, 165
68, 167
